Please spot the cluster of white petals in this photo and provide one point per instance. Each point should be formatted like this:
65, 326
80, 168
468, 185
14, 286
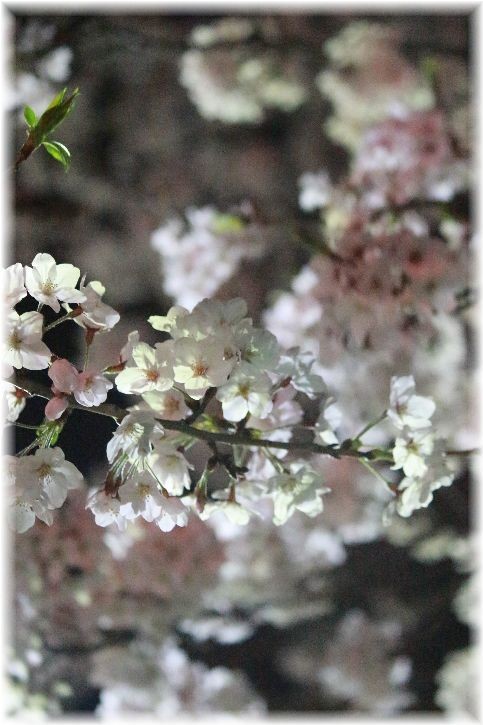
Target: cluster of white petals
23, 346
51, 283
234, 84
416, 450
215, 357
38, 485
202, 252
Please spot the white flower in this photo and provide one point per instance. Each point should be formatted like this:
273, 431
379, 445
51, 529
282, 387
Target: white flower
13, 284
200, 364
24, 346
328, 421
285, 413
49, 282
52, 473
297, 366
169, 405
96, 314
140, 496
106, 510
125, 355
39, 483
26, 498
16, 399
417, 492
247, 391
171, 323
407, 409
170, 467
257, 347
212, 317
91, 388
410, 453
300, 489
234, 511
134, 436
153, 371
173, 513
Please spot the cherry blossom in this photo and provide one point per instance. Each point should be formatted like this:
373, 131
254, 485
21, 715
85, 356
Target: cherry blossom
410, 453
140, 496
24, 346
200, 364
106, 510
13, 284
173, 513
233, 510
406, 408
169, 405
16, 400
153, 371
96, 314
134, 436
247, 391
49, 282
39, 483
91, 388
299, 488
55, 476
169, 467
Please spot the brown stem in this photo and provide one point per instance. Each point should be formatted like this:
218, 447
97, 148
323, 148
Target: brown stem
26, 150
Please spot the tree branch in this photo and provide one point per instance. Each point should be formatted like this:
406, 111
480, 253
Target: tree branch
239, 439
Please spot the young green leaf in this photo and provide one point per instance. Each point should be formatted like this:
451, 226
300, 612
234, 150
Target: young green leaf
57, 100
59, 152
40, 128
29, 115
53, 116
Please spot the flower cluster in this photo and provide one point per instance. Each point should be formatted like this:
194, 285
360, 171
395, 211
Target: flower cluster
202, 253
369, 79
230, 83
39, 483
415, 452
215, 377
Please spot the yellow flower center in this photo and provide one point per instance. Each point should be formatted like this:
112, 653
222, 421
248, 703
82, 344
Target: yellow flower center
244, 390
144, 490
14, 341
44, 470
48, 287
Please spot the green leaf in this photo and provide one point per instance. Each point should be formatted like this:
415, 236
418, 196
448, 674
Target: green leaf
29, 115
53, 116
227, 224
60, 152
48, 432
57, 100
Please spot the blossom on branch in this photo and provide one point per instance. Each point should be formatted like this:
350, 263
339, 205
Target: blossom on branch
49, 282
13, 284
24, 346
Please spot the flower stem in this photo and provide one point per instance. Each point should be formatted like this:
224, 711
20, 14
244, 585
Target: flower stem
370, 425
69, 316
243, 439
376, 473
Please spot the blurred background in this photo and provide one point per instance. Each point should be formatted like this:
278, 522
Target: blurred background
227, 155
